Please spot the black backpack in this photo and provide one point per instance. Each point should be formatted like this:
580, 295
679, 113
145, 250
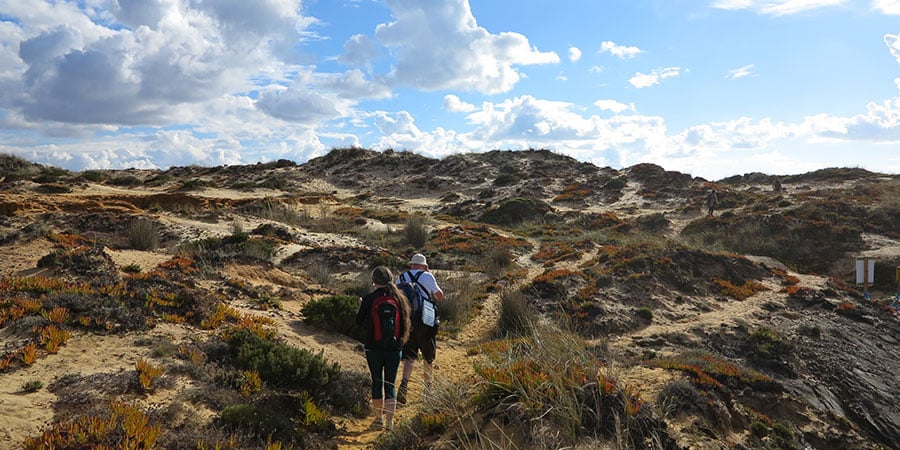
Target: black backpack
386, 321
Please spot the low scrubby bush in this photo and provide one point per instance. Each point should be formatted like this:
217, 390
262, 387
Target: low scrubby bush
281, 365
335, 313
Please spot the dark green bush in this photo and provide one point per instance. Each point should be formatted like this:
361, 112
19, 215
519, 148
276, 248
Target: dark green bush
645, 313
125, 180
281, 365
53, 188
516, 210
766, 344
505, 179
195, 184
616, 183
94, 176
335, 313
759, 429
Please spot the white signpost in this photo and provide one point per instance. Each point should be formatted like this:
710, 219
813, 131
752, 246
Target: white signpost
865, 273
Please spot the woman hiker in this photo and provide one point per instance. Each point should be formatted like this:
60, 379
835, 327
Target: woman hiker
385, 314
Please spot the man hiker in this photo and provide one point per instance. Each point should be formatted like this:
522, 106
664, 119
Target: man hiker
422, 337
711, 201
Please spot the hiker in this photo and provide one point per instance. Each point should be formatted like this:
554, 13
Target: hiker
711, 201
776, 185
385, 314
423, 336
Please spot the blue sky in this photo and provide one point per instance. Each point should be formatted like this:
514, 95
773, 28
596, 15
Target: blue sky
708, 87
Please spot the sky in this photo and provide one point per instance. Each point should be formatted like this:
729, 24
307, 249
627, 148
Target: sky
713, 88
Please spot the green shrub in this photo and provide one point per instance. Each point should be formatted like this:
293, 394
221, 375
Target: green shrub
645, 313
759, 429
783, 431
32, 386
335, 313
281, 365
505, 179
51, 175
125, 180
515, 211
94, 176
766, 344
616, 183
195, 185
53, 188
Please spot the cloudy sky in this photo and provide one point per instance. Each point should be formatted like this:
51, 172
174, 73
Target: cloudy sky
708, 87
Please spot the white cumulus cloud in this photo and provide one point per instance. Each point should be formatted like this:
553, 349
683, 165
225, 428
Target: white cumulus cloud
448, 50
890, 7
620, 51
574, 54
643, 80
614, 106
452, 103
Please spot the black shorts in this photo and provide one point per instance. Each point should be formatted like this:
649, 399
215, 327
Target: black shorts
421, 338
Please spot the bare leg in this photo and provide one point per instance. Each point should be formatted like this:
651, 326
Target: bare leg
378, 405
389, 406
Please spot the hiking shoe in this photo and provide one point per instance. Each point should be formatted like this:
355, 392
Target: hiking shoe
401, 394
378, 423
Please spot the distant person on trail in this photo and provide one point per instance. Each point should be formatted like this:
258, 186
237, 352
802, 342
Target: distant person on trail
386, 316
776, 185
423, 335
711, 201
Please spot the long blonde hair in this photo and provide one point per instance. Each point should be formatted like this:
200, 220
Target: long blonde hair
382, 276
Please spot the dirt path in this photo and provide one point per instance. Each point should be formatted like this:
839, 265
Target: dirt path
453, 364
